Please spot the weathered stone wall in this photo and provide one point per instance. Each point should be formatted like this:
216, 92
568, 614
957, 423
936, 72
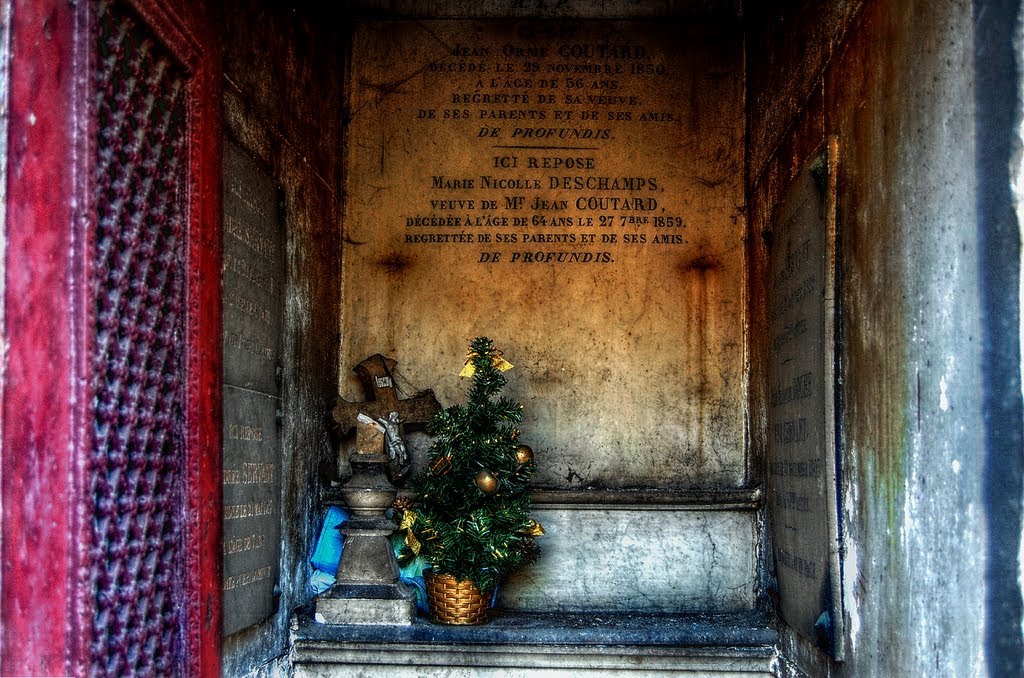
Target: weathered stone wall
638, 559
609, 268
282, 75
897, 89
629, 345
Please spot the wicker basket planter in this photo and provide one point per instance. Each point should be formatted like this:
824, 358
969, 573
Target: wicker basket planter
456, 602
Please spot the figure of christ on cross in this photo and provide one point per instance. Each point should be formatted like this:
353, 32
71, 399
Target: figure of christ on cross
383, 406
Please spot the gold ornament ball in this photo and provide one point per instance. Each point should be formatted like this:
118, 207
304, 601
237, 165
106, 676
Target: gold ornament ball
524, 454
486, 481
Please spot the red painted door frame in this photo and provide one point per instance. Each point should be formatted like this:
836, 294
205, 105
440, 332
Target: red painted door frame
47, 331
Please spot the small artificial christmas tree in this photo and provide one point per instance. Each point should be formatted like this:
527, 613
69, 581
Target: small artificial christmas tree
471, 519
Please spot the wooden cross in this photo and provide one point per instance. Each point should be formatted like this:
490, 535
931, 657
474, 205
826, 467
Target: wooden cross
377, 375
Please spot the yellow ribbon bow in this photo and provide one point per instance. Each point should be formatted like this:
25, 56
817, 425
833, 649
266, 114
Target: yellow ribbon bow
535, 529
470, 369
410, 539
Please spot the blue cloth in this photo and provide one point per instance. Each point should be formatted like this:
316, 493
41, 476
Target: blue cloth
327, 555
329, 546
320, 581
411, 573
327, 552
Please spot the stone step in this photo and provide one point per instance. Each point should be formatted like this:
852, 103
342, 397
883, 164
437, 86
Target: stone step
520, 643
648, 553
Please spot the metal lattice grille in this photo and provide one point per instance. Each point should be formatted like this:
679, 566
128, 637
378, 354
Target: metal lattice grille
138, 281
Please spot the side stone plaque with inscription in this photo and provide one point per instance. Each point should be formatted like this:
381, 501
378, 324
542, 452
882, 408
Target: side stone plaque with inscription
252, 483
253, 273
252, 282
801, 409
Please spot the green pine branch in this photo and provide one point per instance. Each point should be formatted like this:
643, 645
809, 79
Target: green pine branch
465, 531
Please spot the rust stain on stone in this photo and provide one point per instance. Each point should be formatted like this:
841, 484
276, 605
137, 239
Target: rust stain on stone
395, 263
702, 264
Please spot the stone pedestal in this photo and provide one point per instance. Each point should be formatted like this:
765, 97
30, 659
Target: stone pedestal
367, 589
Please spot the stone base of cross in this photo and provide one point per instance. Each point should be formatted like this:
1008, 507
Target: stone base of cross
367, 589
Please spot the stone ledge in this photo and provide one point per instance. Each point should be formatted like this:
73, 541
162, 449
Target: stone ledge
650, 499
598, 644
640, 499
685, 630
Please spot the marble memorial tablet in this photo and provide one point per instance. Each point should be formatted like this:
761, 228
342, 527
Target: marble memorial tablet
253, 274
252, 516
801, 407
251, 288
573, 190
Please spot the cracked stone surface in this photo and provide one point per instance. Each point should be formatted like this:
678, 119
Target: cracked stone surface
638, 560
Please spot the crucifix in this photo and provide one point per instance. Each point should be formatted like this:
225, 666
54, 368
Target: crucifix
383, 406
367, 589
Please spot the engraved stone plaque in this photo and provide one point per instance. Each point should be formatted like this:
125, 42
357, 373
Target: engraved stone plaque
572, 190
252, 517
252, 274
801, 408
251, 287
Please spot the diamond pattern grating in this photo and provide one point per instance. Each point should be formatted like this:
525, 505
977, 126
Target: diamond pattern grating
138, 282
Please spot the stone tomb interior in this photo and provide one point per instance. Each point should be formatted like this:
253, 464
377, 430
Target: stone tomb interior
593, 186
